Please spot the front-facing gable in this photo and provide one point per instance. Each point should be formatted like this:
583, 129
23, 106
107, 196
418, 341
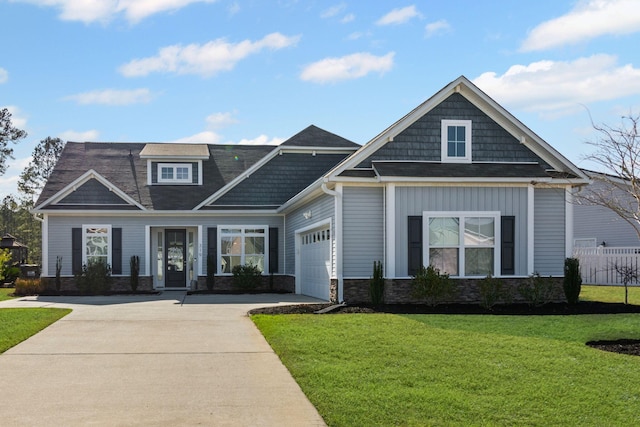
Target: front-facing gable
458, 127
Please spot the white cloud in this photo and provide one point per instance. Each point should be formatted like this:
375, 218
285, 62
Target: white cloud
561, 86
72, 135
205, 60
206, 137
347, 67
89, 11
399, 16
587, 20
220, 120
333, 11
348, 18
436, 28
112, 97
262, 140
4, 75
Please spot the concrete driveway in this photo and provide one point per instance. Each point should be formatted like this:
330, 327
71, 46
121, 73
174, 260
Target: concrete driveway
170, 359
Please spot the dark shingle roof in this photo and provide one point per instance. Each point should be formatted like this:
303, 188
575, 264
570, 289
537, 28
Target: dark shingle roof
313, 136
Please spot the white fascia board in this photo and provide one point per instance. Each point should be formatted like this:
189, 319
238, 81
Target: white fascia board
81, 180
150, 214
323, 150
464, 180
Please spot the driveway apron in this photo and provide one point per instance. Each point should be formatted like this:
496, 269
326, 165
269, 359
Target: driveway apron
172, 359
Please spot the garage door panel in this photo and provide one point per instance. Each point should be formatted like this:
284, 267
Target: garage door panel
315, 263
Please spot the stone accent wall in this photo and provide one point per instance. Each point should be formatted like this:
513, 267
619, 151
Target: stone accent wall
225, 283
398, 291
118, 283
333, 291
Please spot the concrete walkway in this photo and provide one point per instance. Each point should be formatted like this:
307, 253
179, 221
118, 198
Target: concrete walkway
160, 360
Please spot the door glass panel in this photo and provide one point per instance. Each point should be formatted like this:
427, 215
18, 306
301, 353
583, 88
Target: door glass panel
160, 256
175, 252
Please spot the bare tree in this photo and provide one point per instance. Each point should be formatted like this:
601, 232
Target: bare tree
617, 151
36, 174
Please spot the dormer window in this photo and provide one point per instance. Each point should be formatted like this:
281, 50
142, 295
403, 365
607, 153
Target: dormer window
175, 173
456, 141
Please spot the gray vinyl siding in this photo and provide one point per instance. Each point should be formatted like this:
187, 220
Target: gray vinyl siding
133, 234
412, 201
363, 230
321, 208
549, 231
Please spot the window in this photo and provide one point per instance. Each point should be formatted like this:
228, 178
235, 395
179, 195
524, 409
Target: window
456, 141
174, 173
96, 243
462, 243
242, 246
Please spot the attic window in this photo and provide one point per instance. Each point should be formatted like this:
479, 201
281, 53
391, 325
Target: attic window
456, 141
175, 173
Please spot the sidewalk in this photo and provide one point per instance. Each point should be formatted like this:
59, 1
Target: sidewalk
171, 359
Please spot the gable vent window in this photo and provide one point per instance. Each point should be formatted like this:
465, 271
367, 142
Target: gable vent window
174, 173
456, 141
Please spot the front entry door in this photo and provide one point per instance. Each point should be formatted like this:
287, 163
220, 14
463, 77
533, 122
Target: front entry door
175, 254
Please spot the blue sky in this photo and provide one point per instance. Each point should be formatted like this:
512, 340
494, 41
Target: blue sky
249, 71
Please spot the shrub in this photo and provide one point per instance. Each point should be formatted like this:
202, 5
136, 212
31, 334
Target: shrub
572, 282
28, 287
211, 271
246, 277
134, 263
58, 271
431, 286
376, 284
492, 291
537, 290
95, 278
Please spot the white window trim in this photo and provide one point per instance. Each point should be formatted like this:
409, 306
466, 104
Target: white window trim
444, 143
461, 255
174, 166
243, 234
109, 242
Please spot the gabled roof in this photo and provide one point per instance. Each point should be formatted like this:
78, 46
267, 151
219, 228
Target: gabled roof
313, 135
487, 106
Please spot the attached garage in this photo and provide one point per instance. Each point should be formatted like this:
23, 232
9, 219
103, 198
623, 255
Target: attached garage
314, 272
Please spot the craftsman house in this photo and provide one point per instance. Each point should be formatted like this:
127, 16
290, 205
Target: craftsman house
458, 183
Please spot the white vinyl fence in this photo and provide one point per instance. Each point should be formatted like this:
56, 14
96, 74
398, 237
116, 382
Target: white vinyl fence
607, 266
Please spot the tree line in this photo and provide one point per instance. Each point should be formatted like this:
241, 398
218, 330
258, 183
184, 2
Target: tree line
15, 210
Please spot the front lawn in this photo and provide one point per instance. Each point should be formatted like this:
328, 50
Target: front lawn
6, 293
18, 324
384, 369
609, 294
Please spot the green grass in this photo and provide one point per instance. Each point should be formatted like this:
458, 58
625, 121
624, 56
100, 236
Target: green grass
18, 324
6, 293
609, 294
414, 370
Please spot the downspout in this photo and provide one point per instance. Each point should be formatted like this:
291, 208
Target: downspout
337, 233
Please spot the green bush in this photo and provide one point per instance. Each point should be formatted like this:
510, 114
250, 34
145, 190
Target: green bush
134, 263
431, 286
246, 277
493, 291
537, 290
572, 282
95, 278
376, 284
28, 287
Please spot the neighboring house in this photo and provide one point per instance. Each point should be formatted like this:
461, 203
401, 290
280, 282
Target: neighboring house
458, 183
596, 225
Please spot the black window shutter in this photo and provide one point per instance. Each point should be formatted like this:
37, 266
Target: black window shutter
76, 250
273, 250
508, 245
415, 244
212, 245
116, 251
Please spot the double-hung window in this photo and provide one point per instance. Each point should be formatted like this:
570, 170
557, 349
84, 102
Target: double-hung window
96, 241
462, 243
175, 173
456, 141
242, 246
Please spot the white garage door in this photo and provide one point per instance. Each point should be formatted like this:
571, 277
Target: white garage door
315, 263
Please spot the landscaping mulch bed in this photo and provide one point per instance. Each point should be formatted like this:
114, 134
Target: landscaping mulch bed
623, 346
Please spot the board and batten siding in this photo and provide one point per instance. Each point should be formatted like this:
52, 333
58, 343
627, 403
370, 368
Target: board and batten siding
321, 208
549, 231
133, 234
509, 201
363, 230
